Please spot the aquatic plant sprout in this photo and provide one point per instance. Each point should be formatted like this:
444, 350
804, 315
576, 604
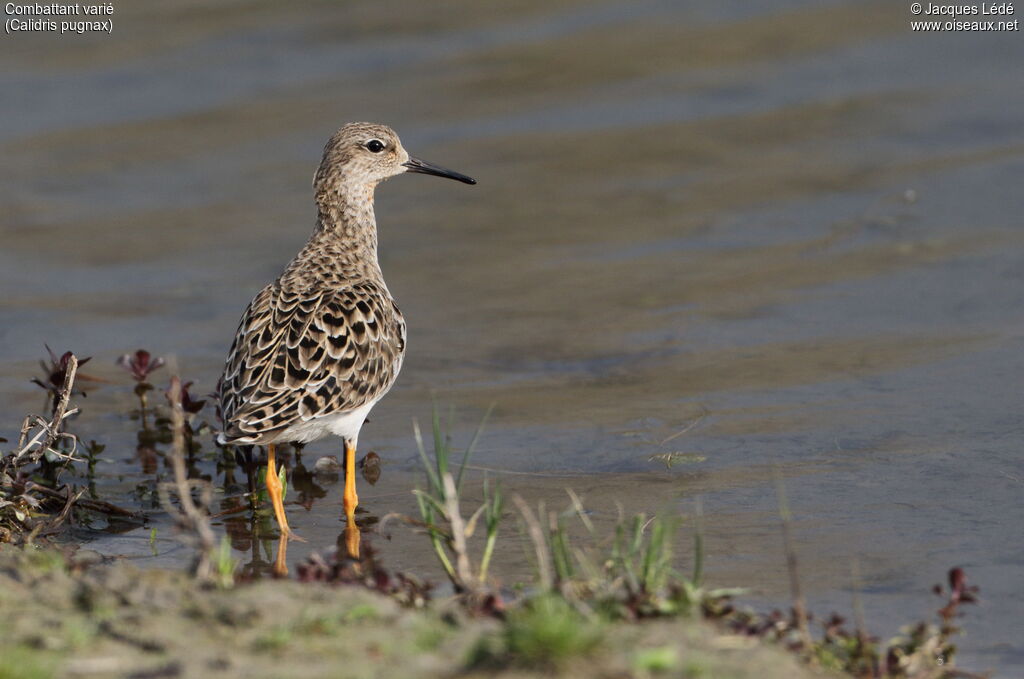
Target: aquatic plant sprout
439, 510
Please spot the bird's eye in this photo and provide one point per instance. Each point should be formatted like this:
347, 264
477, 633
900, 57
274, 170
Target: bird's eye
375, 146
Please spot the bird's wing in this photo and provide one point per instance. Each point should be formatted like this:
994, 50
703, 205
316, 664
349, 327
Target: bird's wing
300, 355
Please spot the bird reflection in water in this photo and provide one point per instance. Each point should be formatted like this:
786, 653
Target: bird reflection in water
242, 505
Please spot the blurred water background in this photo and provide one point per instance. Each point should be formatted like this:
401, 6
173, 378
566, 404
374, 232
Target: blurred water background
793, 225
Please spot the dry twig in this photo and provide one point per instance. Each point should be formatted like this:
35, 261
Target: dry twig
462, 567
190, 518
48, 433
799, 605
540, 545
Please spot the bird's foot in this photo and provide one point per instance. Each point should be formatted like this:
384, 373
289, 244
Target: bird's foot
352, 539
289, 534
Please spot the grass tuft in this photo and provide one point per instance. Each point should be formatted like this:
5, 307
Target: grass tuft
440, 513
545, 631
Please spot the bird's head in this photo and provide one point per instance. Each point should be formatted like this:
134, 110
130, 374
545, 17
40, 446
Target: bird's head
364, 154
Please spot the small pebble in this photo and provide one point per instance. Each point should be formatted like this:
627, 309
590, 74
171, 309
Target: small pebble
86, 557
328, 464
371, 467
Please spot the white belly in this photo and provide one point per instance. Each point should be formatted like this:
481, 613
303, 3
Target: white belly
345, 425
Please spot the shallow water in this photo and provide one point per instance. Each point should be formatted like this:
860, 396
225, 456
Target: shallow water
796, 223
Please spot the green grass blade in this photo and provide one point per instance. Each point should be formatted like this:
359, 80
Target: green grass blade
698, 546
648, 563
472, 447
440, 448
433, 480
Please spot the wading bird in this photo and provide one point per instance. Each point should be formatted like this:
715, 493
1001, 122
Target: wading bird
318, 347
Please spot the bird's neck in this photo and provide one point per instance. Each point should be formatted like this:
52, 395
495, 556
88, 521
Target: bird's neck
344, 241
345, 216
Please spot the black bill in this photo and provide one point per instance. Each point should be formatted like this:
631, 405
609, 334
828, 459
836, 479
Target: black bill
416, 165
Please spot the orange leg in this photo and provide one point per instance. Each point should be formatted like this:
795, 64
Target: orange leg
281, 562
350, 501
275, 491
